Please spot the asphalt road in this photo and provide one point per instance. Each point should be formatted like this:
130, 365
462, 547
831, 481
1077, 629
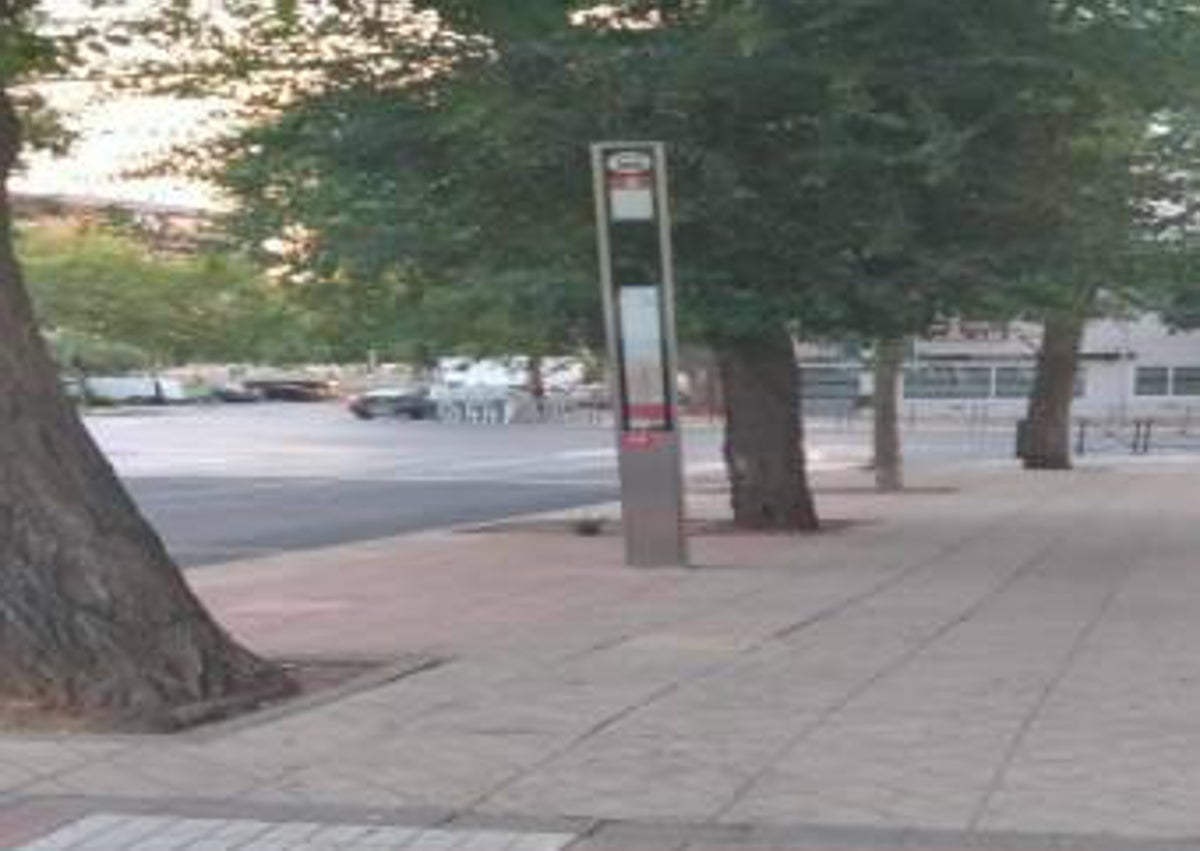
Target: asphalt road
236, 481
228, 482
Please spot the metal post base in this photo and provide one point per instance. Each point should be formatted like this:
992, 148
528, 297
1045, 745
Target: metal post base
652, 499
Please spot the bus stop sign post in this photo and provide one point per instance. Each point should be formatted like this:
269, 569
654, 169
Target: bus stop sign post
637, 279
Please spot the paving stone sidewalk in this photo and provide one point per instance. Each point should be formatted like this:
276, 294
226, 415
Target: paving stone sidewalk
130, 826
999, 658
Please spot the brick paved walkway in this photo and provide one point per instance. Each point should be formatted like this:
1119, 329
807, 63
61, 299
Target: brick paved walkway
1013, 657
118, 832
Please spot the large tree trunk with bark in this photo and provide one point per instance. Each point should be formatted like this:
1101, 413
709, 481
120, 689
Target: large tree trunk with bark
95, 619
1047, 444
536, 385
888, 458
764, 437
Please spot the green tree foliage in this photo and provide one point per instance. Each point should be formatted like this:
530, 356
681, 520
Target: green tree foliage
997, 159
1182, 307
1174, 273
23, 51
101, 286
82, 355
859, 168
470, 194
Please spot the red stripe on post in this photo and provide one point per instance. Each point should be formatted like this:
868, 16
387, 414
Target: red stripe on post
647, 412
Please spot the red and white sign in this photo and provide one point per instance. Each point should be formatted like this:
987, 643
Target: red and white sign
647, 413
630, 179
639, 441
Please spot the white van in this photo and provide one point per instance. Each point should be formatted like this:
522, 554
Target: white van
144, 389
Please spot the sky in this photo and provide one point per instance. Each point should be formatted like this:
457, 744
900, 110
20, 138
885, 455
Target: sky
118, 135
116, 138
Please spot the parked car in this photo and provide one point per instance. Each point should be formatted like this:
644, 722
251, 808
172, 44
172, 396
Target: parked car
236, 393
404, 402
133, 390
293, 390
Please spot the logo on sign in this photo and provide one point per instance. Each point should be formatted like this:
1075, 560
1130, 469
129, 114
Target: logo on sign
636, 441
631, 161
631, 186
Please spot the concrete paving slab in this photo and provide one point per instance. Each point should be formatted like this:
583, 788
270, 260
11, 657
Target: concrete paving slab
132, 832
1011, 657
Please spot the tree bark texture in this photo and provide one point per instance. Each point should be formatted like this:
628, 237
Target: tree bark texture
95, 618
764, 437
536, 384
889, 461
1048, 434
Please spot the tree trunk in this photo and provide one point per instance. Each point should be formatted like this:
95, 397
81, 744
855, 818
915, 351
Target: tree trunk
95, 618
889, 462
536, 384
1048, 434
764, 439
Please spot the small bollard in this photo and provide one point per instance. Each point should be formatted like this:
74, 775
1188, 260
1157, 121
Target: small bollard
1142, 432
1022, 438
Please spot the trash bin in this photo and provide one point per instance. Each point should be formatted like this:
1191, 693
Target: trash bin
1022, 438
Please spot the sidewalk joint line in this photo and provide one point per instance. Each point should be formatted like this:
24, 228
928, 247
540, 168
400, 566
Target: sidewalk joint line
898, 663
1120, 579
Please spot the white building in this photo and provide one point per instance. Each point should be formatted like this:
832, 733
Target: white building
559, 374
1128, 368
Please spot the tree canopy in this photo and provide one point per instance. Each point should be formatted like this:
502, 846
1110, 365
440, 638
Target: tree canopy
857, 168
97, 283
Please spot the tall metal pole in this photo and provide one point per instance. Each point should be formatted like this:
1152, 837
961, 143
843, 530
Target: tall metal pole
637, 279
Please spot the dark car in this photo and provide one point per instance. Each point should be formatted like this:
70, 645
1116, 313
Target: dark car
404, 402
236, 393
293, 390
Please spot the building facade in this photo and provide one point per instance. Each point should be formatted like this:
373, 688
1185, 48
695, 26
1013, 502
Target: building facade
1129, 368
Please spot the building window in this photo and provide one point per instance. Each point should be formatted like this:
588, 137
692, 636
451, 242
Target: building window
829, 382
1152, 381
1187, 381
956, 381
1014, 382
948, 382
